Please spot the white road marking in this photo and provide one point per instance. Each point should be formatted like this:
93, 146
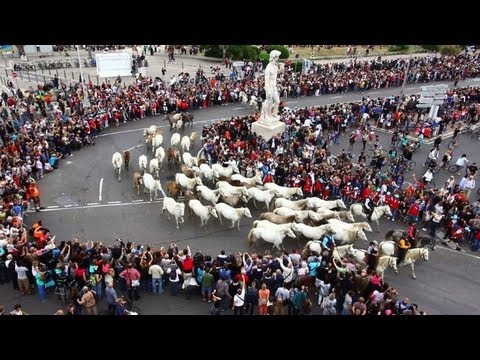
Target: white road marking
70, 207
134, 147
53, 207
238, 108
458, 252
160, 126
336, 97
291, 102
140, 200
100, 190
113, 202
411, 88
94, 203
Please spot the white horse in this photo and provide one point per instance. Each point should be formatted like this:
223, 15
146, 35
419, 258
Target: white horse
315, 203
185, 143
179, 125
274, 237
206, 172
348, 235
151, 130
326, 214
174, 208
226, 189
378, 212
154, 168
220, 170
300, 216
313, 232
189, 160
152, 185
413, 255
232, 214
385, 262
264, 196
355, 226
142, 163
117, 161
175, 140
257, 179
294, 205
208, 194
156, 142
186, 182
282, 191
202, 211
160, 156
341, 251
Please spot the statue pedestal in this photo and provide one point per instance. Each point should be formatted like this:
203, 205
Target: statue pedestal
267, 131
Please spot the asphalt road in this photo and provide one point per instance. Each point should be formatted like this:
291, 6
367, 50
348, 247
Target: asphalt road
83, 199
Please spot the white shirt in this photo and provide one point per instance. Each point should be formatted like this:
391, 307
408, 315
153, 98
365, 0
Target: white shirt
428, 175
239, 300
469, 184
462, 161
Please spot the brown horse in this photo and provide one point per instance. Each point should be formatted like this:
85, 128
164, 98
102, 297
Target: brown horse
126, 159
173, 189
187, 118
173, 157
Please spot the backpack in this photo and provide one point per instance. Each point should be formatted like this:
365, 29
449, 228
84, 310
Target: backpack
173, 274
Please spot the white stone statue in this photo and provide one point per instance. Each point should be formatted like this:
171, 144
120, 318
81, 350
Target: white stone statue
269, 113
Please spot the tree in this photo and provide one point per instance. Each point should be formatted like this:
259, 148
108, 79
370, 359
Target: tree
449, 50
433, 48
283, 50
212, 50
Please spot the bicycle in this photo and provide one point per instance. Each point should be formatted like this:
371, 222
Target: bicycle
432, 164
454, 168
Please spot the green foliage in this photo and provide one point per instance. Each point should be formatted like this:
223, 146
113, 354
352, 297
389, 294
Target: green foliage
433, 48
284, 51
398, 48
264, 58
212, 50
297, 65
449, 50
243, 52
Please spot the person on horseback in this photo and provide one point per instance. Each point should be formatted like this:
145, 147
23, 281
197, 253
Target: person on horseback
403, 246
328, 242
370, 205
372, 252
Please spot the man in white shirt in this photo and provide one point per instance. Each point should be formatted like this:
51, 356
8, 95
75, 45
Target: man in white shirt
462, 161
469, 185
239, 299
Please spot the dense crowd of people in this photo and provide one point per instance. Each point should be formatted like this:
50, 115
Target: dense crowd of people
42, 126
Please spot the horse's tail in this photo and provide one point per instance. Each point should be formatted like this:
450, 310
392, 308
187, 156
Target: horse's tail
250, 237
388, 235
255, 223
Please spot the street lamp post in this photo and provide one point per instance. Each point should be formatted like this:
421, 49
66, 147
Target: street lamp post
86, 101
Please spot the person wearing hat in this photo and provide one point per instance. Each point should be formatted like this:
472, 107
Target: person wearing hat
372, 252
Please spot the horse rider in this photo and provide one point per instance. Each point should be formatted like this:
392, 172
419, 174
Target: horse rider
403, 246
372, 252
328, 242
370, 205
